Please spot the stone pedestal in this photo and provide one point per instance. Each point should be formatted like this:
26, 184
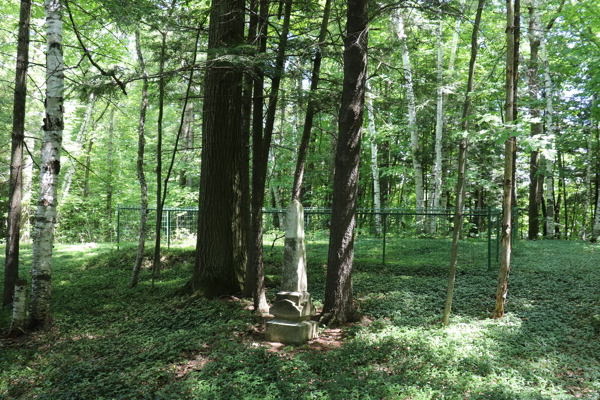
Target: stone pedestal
293, 304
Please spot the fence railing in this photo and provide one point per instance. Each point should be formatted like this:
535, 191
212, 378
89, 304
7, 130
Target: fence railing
180, 225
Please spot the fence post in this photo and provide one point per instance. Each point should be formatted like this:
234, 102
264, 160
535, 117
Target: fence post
118, 225
489, 215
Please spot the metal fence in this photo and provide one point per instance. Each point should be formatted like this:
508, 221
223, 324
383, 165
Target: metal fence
481, 228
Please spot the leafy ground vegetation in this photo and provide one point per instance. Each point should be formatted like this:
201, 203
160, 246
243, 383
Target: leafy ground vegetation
112, 342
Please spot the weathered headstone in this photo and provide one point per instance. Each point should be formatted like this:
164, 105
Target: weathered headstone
293, 306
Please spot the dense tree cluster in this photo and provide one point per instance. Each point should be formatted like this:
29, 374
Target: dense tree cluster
234, 106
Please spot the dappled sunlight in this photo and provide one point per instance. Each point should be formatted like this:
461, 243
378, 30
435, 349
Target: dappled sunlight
147, 340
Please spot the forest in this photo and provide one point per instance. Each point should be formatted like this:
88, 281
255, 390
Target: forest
154, 145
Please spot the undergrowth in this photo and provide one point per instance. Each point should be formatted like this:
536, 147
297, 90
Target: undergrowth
112, 342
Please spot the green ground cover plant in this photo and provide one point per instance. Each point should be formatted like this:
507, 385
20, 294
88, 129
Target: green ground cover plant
112, 342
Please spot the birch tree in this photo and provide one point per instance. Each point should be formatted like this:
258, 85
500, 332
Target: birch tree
549, 153
412, 122
437, 187
79, 145
374, 168
40, 312
140, 163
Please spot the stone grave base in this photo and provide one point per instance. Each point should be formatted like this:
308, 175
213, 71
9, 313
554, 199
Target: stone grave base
291, 332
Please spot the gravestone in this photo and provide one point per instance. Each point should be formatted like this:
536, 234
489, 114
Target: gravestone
293, 306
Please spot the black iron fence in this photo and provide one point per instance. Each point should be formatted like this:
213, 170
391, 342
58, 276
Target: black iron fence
376, 230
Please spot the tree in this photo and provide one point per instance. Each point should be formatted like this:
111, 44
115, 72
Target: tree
412, 122
11, 257
535, 185
140, 163
509, 149
462, 162
437, 185
311, 107
40, 313
374, 168
260, 157
80, 139
338, 308
220, 255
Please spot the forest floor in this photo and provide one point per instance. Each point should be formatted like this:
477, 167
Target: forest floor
112, 342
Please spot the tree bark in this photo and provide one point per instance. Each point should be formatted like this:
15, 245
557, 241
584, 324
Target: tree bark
588, 188
260, 157
374, 167
140, 164
437, 172
159, 137
40, 311
338, 307
110, 166
80, 144
11, 255
310, 108
220, 255
462, 163
88, 163
549, 133
509, 148
412, 125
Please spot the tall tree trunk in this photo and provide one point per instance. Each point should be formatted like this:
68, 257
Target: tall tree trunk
462, 165
536, 127
509, 147
140, 164
79, 143
439, 124
550, 134
338, 307
310, 108
588, 188
246, 125
412, 124
596, 227
11, 255
110, 166
159, 136
188, 143
260, 157
374, 168
40, 313
88, 162
26, 191
220, 255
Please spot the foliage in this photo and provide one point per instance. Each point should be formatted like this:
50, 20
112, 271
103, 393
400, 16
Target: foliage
112, 342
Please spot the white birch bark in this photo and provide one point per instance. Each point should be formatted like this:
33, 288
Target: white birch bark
19, 315
374, 168
110, 164
140, 165
588, 189
26, 189
40, 312
596, 228
79, 144
549, 133
437, 177
412, 123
